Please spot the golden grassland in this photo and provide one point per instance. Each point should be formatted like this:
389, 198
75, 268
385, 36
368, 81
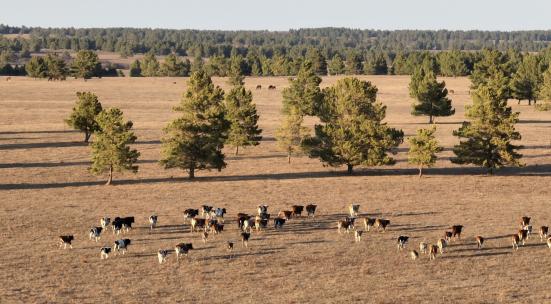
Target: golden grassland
46, 191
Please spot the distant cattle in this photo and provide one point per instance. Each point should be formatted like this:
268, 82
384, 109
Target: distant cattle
152, 221
104, 252
402, 241
441, 245
413, 255
271, 87
190, 213
279, 222
479, 241
162, 254
297, 210
381, 224
311, 210
544, 232
104, 222
286, 214
66, 240
354, 210
262, 209
258, 87
245, 236
358, 236
182, 249
524, 221
515, 240
95, 233
121, 245
423, 247
433, 250
456, 231
197, 223
369, 223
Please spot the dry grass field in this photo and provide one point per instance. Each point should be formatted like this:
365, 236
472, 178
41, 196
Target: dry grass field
46, 191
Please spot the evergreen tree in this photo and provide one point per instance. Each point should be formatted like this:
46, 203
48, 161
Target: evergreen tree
173, 66
489, 64
432, 99
487, 136
241, 113
545, 92
135, 69
197, 64
527, 80
353, 132
426, 69
319, 64
57, 69
150, 65
36, 67
236, 71
291, 133
83, 117
111, 150
376, 65
452, 63
336, 65
353, 64
194, 141
303, 92
423, 149
86, 64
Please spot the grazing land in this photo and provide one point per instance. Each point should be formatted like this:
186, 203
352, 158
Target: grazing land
46, 191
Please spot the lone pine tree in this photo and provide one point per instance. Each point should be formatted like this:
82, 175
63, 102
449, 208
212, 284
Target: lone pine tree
432, 99
84, 114
423, 149
194, 141
111, 150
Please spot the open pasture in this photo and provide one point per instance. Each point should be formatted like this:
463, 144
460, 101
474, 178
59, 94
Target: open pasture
46, 191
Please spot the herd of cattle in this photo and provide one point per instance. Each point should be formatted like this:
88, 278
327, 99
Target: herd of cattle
210, 220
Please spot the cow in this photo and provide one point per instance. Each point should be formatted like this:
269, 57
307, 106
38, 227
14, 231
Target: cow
286, 214
229, 246
515, 239
219, 213
121, 245
162, 254
456, 231
448, 236
117, 227
190, 213
549, 243
205, 210
413, 254
271, 87
354, 210
205, 236
245, 236
381, 224
258, 87
123, 223
423, 247
522, 235
182, 249
241, 218
262, 209
441, 245
104, 252
433, 250
218, 228
369, 223
297, 210
524, 221
66, 240
152, 221
260, 223
544, 232
279, 222
347, 224
311, 210
104, 222
197, 223
402, 241
358, 236
95, 233
528, 229
479, 242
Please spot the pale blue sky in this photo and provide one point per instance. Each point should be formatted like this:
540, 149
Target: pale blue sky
281, 14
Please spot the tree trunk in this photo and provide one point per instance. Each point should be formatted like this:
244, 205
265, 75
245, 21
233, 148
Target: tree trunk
289, 157
87, 136
430, 119
529, 102
349, 168
420, 171
110, 178
192, 172
236, 150
518, 101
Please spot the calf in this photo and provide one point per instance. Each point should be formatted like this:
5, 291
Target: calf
182, 249
448, 236
152, 221
441, 245
402, 241
479, 241
433, 250
104, 222
205, 210
544, 232
197, 223
423, 247
279, 222
104, 252
528, 229
162, 255
297, 210
524, 221
205, 236
245, 239
381, 224
229, 246
515, 240
369, 223
95, 233
354, 210
190, 213
456, 231
218, 228
260, 223
286, 214
65, 240
347, 224
241, 218
121, 245
311, 210
117, 227
358, 236
262, 209
413, 255
522, 235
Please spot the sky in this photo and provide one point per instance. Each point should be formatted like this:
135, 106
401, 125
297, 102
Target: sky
278, 15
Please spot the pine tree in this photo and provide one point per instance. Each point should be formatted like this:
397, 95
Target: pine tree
150, 65
488, 134
57, 69
423, 149
241, 113
527, 80
545, 92
353, 132
135, 69
194, 141
173, 66
303, 92
490, 62
426, 69
197, 64
432, 99
353, 64
291, 133
336, 65
83, 117
111, 150
376, 65
36, 67
319, 64
86, 64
